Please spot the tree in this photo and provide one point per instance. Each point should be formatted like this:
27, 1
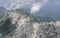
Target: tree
6, 26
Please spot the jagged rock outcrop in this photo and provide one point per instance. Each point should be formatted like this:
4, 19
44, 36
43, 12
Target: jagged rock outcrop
47, 31
27, 29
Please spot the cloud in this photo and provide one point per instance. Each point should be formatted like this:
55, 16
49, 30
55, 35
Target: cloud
14, 4
37, 6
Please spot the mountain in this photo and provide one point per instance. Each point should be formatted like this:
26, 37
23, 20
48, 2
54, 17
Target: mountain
29, 19
17, 24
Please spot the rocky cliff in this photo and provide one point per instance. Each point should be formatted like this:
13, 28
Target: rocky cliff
27, 28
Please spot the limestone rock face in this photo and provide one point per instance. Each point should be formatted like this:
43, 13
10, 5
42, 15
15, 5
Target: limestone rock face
27, 29
24, 27
47, 31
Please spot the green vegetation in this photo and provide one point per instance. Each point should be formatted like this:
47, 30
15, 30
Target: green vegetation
32, 18
6, 26
22, 12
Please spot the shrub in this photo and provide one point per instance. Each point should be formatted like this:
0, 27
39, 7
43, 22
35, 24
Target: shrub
6, 26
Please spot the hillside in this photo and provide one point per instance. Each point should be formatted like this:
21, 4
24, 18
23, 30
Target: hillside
18, 24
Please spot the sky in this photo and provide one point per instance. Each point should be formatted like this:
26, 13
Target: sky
50, 8
9, 4
33, 5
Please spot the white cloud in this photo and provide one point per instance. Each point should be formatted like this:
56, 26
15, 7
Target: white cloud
13, 4
37, 6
